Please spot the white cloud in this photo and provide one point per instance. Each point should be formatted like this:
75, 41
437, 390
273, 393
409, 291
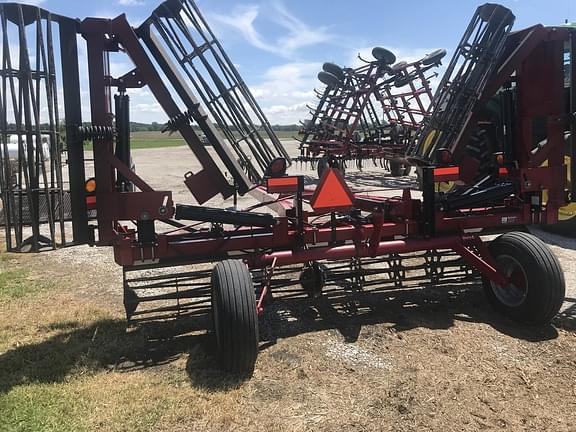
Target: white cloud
131, 3
242, 20
285, 91
153, 107
298, 34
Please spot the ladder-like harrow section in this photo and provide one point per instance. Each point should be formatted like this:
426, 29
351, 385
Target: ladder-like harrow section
189, 53
35, 204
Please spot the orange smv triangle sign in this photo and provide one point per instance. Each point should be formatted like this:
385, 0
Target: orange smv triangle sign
332, 193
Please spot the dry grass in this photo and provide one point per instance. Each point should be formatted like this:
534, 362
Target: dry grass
436, 360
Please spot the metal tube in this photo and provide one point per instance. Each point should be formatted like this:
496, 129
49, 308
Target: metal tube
349, 251
73, 116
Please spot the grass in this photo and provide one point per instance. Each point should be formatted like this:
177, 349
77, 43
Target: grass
146, 140
39, 408
157, 143
16, 284
93, 375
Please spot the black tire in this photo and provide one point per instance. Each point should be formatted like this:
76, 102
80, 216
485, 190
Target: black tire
235, 317
329, 79
313, 279
481, 148
334, 69
323, 164
383, 55
535, 266
399, 169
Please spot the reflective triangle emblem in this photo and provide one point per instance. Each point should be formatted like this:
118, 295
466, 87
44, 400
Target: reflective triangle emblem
332, 193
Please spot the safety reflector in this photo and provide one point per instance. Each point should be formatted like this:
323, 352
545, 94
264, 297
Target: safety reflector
446, 171
91, 202
446, 174
282, 185
332, 193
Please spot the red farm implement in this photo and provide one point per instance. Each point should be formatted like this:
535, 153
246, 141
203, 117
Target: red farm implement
371, 112
490, 148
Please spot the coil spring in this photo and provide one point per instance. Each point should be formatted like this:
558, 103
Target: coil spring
177, 121
95, 132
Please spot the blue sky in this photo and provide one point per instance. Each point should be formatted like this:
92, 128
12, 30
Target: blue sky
279, 46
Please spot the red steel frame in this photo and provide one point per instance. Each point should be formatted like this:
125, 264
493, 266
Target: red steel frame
396, 225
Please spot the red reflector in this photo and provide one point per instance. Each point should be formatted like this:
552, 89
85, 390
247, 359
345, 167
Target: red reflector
503, 171
91, 202
332, 193
446, 174
282, 185
446, 171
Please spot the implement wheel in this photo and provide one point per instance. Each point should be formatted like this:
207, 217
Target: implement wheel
537, 290
334, 69
313, 279
235, 317
326, 162
399, 169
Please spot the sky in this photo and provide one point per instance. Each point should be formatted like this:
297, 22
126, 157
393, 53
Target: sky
279, 46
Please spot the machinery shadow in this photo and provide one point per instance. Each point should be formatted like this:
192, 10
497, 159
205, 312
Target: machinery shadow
113, 345
403, 310
554, 238
109, 345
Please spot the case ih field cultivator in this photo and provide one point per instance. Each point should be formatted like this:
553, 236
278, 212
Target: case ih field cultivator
495, 134
371, 112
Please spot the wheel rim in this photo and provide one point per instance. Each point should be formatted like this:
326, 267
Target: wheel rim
513, 294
